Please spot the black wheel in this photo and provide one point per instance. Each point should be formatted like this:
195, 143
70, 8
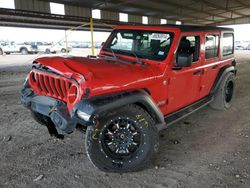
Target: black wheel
24, 51
125, 141
63, 50
1, 51
225, 93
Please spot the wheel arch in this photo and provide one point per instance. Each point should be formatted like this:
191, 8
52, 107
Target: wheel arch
222, 73
98, 106
23, 47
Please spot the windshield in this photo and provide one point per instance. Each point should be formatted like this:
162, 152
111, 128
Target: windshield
152, 45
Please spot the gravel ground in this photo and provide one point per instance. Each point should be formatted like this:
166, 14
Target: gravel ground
207, 149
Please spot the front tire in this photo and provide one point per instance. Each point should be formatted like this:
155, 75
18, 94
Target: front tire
47, 51
225, 94
124, 141
63, 50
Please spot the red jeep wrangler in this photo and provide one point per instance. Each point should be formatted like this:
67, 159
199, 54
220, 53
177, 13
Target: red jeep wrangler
144, 79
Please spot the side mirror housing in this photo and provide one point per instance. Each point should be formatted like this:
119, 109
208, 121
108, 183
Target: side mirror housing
184, 59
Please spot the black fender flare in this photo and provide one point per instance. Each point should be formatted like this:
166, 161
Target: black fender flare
97, 106
222, 73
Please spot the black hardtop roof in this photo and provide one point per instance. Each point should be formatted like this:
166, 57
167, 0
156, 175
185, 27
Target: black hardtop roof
199, 28
188, 28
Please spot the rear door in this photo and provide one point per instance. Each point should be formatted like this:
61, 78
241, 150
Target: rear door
184, 84
211, 59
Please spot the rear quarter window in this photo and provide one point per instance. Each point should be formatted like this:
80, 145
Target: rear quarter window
212, 46
227, 44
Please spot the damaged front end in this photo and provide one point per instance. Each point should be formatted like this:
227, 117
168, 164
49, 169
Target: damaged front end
52, 99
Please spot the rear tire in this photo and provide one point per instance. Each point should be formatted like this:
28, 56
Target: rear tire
24, 51
125, 140
225, 94
1, 51
47, 51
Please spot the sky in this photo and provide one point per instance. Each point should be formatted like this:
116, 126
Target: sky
242, 33
7, 4
26, 34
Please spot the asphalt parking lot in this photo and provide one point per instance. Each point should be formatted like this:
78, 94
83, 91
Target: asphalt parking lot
207, 149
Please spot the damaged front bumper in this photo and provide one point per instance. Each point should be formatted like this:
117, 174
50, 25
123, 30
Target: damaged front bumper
56, 110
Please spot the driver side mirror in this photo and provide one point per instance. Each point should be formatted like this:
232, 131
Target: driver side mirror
183, 60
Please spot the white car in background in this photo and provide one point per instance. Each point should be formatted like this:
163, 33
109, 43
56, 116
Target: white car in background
7, 47
50, 47
242, 45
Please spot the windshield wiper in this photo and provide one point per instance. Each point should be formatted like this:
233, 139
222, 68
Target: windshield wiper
138, 60
113, 53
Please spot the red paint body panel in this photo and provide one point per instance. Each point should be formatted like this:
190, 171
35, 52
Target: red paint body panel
171, 89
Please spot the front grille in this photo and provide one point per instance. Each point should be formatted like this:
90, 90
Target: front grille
50, 85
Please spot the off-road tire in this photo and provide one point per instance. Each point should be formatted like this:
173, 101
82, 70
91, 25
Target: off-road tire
225, 94
100, 156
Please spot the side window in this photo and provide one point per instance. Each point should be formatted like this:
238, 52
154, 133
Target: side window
212, 46
190, 45
227, 44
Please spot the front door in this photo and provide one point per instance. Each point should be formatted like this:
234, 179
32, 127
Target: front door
184, 83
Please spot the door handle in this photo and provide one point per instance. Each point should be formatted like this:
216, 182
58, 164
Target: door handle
215, 66
199, 72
